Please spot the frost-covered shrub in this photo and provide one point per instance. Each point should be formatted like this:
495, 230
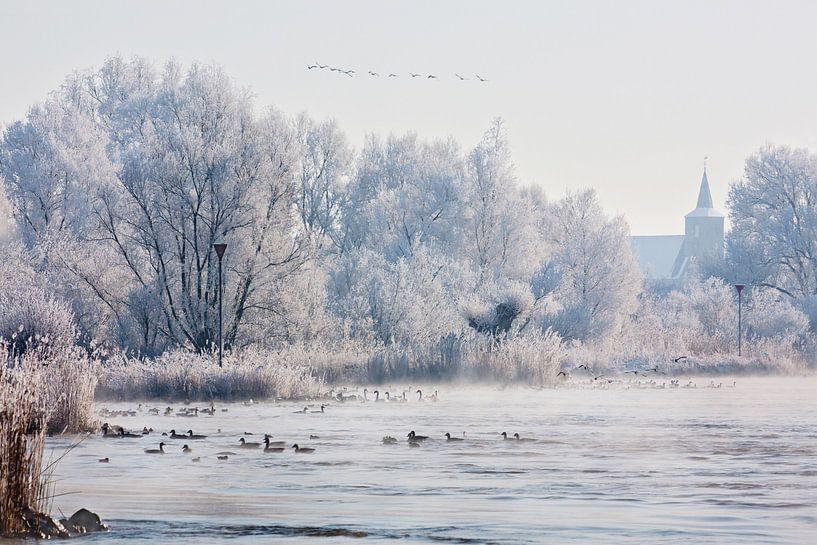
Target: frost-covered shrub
29, 315
31, 318
771, 316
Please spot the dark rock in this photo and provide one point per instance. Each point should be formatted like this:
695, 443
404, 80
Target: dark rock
40, 526
83, 522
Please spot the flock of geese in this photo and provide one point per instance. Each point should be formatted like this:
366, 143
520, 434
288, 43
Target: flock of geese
371, 73
269, 445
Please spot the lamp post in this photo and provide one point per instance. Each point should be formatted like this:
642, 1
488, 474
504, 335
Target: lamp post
739, 287
220, 248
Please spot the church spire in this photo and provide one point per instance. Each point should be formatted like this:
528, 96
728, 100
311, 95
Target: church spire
704, 195
704, 208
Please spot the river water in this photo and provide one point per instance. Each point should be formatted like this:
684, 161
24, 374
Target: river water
702, 465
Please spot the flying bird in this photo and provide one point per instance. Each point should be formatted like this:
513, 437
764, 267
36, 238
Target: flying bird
311, 66
431, 76
415, 75
461, 78
480, 78
319, 65
393, 76
348, 72
373, 73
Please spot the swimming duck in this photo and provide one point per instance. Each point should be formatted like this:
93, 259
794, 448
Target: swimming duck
191, 435
449, 438
377, 396
302, 411
174, 435
245, 444
109, 431
186, 449
318, 412
160, 450
389, 440
225, 457
420, 395
104, 460
123, 433
267, 438
268, 448
523, 439
505, 436
414, 438
146, 430
302, 450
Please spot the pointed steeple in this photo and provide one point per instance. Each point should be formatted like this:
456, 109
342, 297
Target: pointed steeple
704, 196
704, 208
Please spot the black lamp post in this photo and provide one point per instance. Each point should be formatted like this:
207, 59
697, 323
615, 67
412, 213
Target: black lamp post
220, 248
739, 287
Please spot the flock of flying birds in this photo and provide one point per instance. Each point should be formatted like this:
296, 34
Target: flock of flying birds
372, 73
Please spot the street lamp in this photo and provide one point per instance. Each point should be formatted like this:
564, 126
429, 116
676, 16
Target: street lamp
220, 248
739, 287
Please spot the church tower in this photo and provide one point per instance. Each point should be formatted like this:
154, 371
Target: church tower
703, 235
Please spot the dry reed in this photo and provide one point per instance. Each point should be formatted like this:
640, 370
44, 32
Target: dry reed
23, 420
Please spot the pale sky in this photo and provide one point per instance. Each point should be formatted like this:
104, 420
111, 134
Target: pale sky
624, 96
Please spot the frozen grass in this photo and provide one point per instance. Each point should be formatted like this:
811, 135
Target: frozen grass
531, 360
299, 372
183, 374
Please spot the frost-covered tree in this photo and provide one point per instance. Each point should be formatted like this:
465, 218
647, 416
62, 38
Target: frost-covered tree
773, 210
498, 235
591, 273
149, 171
407, 193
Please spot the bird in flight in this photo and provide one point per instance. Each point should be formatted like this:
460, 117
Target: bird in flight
319, 65
431, 76
415, 75
311, 66
373, 73
461, 78
348, 72
480, 78
393, 76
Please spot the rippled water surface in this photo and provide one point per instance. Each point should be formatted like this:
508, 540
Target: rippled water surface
728, 465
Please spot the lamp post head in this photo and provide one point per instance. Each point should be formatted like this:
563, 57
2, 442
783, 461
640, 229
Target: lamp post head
740, 287
220, 248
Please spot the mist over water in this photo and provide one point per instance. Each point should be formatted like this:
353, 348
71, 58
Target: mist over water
700, 465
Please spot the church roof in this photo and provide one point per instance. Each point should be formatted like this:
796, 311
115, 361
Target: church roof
704, 208
656, 254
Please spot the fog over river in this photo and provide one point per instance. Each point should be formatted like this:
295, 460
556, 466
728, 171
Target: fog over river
703, 465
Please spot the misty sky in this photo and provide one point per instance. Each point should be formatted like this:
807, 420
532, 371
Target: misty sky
627, 97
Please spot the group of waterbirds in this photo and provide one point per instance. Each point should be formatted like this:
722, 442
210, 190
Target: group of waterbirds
270, 446
583, 375
387, 397
371, 73
415, 440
